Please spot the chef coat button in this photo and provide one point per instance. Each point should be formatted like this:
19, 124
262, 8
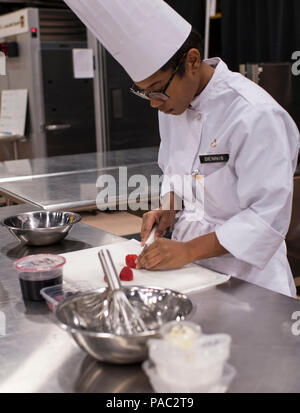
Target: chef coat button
169, 170
199, 117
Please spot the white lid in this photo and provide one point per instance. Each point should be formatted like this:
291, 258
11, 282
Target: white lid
39, 263
142, 35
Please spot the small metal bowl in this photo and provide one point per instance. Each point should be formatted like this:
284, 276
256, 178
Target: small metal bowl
83, 317
41, 227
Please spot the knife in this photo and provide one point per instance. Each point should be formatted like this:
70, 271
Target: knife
150, 239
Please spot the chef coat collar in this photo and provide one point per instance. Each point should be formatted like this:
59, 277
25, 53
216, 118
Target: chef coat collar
220, 67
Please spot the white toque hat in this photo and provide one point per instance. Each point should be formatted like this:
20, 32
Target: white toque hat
142, 35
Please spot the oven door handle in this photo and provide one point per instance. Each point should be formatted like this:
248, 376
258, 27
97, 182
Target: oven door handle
57, 127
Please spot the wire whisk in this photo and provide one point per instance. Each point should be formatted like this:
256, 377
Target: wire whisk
124, 319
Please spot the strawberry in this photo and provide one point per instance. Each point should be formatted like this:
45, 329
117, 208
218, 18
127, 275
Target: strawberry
126, 274
130, 260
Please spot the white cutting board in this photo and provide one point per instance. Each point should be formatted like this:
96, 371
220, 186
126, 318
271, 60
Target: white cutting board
84, 265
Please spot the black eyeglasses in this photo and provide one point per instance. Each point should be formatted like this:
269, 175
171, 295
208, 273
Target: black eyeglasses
161, 95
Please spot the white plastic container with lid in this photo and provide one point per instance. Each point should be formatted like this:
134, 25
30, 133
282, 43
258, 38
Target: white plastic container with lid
200, 359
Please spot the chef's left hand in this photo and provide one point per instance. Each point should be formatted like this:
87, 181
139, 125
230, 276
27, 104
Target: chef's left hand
164, 254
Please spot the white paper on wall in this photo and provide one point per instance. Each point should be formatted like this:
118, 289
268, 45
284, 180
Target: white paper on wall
83, 65
13, 111
2, 64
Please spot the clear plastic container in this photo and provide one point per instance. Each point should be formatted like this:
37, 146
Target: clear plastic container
57, 293
183, 348
161, 385
201, 363
37, 272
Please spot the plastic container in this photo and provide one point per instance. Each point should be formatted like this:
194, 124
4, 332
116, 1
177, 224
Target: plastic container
202, 363
161, 385
183, 348
37, 272
57, 293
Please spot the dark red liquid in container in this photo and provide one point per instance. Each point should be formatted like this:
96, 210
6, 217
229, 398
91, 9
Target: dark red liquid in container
37, 272
31, 289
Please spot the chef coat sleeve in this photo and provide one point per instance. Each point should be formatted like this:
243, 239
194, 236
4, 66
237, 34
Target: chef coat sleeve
265, 148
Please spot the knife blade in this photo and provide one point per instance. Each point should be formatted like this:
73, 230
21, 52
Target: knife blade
150, 239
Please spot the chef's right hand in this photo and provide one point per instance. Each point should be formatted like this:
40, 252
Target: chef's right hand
163, 218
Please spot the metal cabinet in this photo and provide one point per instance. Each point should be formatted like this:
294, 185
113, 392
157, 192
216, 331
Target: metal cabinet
60, 108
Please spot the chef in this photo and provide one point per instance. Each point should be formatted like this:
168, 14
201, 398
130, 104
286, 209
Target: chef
217, 127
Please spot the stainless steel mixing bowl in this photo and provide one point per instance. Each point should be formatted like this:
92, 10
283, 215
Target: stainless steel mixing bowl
84, 315
41, 227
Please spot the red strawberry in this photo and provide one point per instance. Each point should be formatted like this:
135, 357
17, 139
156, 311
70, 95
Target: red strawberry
126, 274
130, 260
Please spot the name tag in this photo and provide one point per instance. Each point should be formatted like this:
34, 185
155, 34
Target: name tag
214, 158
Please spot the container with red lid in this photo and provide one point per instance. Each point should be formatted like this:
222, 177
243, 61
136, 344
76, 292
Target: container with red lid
37, 272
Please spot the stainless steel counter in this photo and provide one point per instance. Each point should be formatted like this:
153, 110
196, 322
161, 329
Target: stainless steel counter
36, 356
69, 182
41, 167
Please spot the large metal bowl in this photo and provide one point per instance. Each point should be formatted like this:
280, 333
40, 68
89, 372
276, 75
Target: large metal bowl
41, 227
81, 317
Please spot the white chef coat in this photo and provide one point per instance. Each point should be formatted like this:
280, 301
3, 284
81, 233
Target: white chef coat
248, 199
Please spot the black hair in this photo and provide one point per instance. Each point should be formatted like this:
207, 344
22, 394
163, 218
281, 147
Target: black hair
194, 41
